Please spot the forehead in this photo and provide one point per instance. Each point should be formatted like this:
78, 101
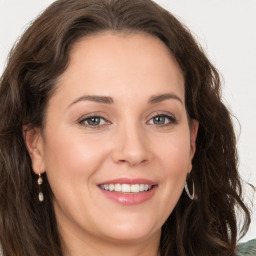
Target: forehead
107, 63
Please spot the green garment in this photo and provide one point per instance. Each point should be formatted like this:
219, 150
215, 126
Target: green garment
247, 249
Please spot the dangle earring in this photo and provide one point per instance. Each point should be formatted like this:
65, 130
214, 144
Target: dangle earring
192, 197
39, 182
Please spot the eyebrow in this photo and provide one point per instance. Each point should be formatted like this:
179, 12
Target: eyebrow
108, 100
93, 98
162, 97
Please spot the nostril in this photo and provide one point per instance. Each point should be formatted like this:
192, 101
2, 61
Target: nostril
132, 162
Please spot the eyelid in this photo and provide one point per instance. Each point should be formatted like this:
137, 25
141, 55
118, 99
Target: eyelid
93, 114
161, 113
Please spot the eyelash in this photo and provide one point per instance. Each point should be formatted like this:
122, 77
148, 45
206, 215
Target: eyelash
171, 120
90, 118
84, 122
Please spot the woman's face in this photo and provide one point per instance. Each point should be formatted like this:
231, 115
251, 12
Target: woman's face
117, 145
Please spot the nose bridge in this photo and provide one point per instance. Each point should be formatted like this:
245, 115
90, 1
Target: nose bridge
131, 143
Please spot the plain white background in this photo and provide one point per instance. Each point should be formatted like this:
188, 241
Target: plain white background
227, 31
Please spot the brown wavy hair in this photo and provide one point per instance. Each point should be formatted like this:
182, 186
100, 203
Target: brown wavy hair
203, 227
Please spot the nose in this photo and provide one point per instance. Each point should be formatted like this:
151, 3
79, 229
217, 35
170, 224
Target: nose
131, 146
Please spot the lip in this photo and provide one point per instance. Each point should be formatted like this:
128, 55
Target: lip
129, 198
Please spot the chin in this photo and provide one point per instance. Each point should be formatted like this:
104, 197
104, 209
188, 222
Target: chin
132, 231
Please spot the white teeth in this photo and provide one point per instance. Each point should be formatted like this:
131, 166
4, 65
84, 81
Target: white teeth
135, 188
118, 187
111, 187
126, 188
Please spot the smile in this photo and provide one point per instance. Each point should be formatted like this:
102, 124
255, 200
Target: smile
126, 188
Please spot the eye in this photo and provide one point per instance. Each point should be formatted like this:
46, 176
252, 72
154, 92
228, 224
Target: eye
93, 121
162, 120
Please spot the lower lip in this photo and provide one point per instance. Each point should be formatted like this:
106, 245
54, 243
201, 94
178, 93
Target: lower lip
130, 198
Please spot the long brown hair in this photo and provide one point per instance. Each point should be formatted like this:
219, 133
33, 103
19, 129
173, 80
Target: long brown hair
206, 226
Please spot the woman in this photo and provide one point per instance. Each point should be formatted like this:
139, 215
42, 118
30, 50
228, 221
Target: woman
114, 139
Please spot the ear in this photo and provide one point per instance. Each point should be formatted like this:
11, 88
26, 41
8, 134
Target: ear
34, 142
193, 135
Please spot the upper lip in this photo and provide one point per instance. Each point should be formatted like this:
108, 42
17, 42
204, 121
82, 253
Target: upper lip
129, 181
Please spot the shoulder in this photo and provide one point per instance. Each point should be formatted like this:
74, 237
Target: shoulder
247, 249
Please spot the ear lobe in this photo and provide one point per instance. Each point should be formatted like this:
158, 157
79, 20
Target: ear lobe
193, 135
34, 143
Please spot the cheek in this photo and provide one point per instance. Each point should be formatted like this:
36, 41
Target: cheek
72, 156
175, 163
72, 161
175, 154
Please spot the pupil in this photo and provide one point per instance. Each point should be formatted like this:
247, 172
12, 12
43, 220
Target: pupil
159, 120
94, 121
